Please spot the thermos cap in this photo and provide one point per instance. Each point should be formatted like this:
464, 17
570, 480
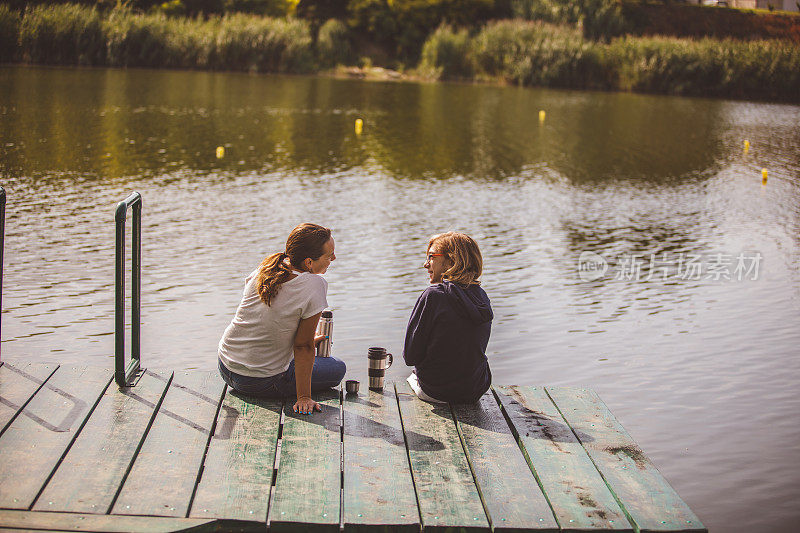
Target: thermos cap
327, 314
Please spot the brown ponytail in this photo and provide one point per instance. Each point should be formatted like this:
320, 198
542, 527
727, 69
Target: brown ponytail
306, 240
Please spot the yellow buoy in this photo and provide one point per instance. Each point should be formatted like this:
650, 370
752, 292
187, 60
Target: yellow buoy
763, 175
220, 152
359, 126
746, 146
541, 115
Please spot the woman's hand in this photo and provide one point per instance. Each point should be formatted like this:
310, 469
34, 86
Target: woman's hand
318, 339
306, 406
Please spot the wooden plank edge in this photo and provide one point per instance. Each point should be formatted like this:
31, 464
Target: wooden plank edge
563, 527
471, 467
156, 409
524, 451
352, 527
381, 528
436, 527
25, 404
72, 440
48, 521
273, 477
275, 464
492, 526
633, 522
290, 526
408, 454
205, 452
311, 527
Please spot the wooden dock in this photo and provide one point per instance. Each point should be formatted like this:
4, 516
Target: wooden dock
180, 451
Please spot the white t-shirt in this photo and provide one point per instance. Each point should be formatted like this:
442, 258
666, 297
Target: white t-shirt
259, 342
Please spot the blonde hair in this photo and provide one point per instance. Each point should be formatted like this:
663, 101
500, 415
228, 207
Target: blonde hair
306, 240
465, 255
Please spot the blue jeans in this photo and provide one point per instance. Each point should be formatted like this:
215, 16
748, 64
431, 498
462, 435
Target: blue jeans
328, 372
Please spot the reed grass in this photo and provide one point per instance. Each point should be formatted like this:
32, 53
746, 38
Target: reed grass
70, 34
537, 53
446, 54
9, 33
541, 54
333, 44
707, 67
61, 34
516, 51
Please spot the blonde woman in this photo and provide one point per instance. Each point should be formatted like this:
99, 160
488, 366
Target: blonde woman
450, 325
268, 348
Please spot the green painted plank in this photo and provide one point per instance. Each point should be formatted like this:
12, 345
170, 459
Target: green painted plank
651, 503
577, 493
92, 471
446, 491
501, 470
17, 384
37, 439
308, 484
237, 475
164, 474
37, 520
7, 530
378, 489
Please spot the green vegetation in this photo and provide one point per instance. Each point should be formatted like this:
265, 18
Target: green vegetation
536, 53
446, 54
333, 45
540, 54
586, 44
9, 31
70, 34
707, 67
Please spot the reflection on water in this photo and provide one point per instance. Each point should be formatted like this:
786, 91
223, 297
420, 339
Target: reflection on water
702, 372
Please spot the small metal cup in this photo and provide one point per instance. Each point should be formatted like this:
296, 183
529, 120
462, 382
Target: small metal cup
351, 386
379, 361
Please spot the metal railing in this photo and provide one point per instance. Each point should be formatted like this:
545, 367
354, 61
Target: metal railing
2, 245
125, 377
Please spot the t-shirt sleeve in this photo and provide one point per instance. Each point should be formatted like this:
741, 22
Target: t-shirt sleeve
317, 297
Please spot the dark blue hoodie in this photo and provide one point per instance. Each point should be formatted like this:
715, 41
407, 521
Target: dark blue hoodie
446, 341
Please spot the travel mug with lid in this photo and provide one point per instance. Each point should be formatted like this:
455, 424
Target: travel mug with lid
325, 327
377, 366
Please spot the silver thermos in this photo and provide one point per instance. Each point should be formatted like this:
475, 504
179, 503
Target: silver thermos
325, 327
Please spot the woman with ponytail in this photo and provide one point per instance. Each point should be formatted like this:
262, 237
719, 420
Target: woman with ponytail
268, 348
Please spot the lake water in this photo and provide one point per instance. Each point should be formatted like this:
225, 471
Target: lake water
690, 335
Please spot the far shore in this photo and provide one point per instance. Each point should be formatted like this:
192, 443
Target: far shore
513, 51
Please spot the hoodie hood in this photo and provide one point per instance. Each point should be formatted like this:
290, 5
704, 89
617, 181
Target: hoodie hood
473, 302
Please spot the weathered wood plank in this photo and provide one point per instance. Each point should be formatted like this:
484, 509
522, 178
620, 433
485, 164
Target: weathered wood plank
237, 474
37, 439
501, 471
37, 520
577, 493
648, 499
308, 484
164, 473
93, 469
378, 490
446, 491
17, 384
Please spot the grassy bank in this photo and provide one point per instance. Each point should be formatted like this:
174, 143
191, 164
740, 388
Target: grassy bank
70, 34
514, 51
531, 53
